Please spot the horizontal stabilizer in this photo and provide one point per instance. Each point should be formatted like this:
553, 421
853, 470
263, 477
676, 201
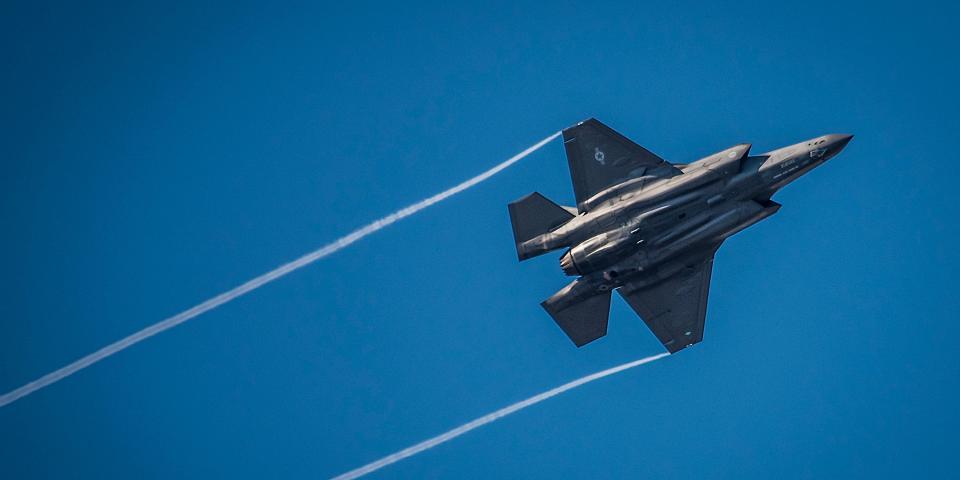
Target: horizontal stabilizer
583, 322
534, 215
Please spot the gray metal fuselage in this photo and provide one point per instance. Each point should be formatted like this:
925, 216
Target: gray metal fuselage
644, 229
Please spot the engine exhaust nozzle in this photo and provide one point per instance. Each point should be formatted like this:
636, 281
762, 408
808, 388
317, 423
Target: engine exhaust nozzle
568, 266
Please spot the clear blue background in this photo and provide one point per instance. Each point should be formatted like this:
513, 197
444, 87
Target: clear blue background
156, 155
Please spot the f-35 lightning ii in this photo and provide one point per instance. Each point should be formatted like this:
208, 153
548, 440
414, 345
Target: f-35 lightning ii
649, 229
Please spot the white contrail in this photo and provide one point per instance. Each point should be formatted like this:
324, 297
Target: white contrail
260, 281
490, 417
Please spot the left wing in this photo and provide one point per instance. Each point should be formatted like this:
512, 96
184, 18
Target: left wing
675, 308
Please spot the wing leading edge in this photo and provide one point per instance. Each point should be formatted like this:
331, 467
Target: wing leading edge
675, 308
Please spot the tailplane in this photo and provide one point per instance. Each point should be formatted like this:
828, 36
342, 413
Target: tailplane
582, 319
532, 216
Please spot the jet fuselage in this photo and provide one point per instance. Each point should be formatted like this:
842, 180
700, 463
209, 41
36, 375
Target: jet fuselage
638, 231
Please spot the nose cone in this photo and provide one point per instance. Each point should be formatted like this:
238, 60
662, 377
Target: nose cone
833, 144
840, 140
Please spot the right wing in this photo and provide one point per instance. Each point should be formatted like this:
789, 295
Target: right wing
599, 158
675, 308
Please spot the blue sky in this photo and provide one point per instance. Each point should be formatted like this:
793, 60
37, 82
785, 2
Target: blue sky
156, 155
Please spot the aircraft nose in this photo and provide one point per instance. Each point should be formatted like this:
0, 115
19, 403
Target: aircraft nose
840, 140
834, 144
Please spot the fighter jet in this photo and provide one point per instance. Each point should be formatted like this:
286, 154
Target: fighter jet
650, 229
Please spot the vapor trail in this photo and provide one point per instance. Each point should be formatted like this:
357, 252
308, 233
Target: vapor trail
490, 417
260, 281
